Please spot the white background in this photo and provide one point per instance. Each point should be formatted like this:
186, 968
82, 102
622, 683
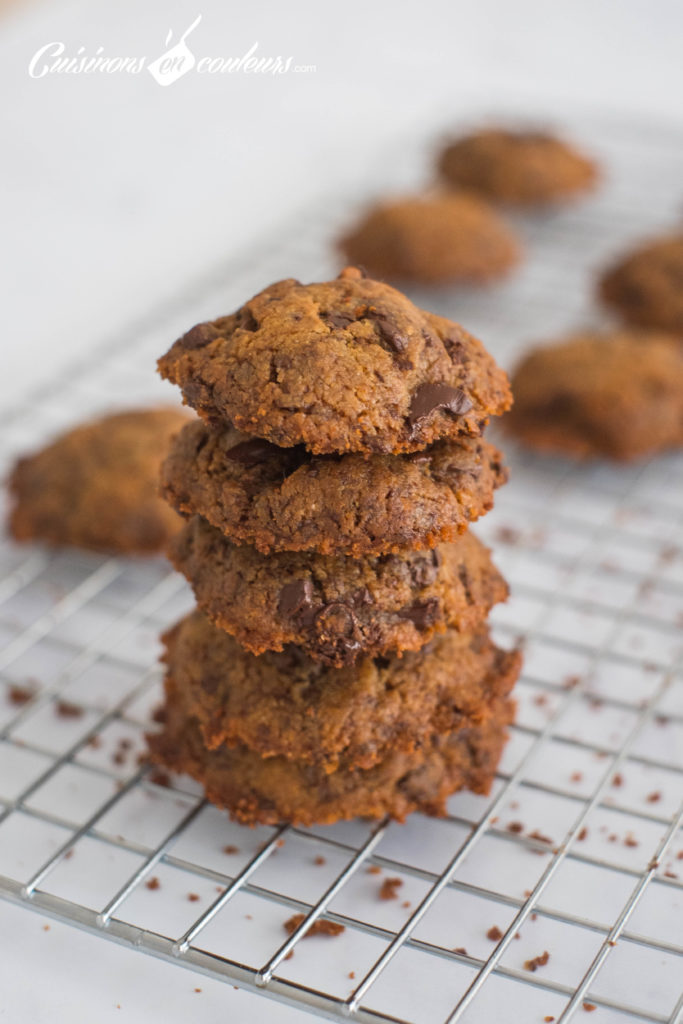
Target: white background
116, 191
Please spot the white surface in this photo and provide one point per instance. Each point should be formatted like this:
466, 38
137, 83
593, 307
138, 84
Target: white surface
115, 191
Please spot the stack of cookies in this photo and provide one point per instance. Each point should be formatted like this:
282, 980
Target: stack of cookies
339, 662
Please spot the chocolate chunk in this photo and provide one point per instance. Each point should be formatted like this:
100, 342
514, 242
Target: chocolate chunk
422, 614
252, 452
362, 596
388, 330
425, 568
339, 320
295, 598
199, 336
246, 321
430, 397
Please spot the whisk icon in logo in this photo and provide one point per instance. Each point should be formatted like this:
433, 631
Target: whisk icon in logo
177, 61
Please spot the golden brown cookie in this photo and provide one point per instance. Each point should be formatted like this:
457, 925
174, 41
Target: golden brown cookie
618, 394
97, 486
349, 365
286, 705
437, 239
334, 607
522, 168
646, 286
257, 790
283, 499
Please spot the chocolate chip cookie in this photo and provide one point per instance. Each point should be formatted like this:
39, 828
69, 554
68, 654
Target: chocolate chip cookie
646, 287
349, 365
287, 705
270, 790
433, 240
618, 395
97, 486
287, 500
521, 168
334, 607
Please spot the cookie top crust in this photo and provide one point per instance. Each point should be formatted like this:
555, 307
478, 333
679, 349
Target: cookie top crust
646, 286
349, 365
97, 486
283, 499
335, 608
617, 394
436, 239
521, 168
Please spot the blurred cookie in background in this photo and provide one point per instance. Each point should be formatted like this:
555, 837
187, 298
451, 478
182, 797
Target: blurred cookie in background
617, 395
434, 239
520, 168
645, 287
97, 486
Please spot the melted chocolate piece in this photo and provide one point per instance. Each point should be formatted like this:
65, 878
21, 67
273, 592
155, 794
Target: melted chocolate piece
422, 614
430, 397
339, 320
252, 452
199, 336
388, 330
295, 598
425, 568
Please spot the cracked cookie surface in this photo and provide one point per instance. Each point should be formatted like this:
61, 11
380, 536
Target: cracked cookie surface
349, 365
287, 500
336, 608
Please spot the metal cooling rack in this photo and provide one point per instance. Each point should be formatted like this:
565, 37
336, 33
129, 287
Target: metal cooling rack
579, 849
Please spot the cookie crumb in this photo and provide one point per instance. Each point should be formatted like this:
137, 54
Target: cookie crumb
46, 927
389, 887
319, 927
352, 975
494, 934
589, 1007
548, 1019
160, 778
460, 950
319, 860
19, 695
230, 849
581, 835
374, 870
516, 827
193, 897
153, 883
197, 990
65, 709
654, 798
537, 961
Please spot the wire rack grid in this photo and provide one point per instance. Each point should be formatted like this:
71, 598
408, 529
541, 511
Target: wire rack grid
577, 852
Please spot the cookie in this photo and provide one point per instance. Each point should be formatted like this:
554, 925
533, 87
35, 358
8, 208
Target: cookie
334, 607
257, 790
646, 287
521, 168
619, 395
349, 365
287, 705
97, 486
287, 500
433, 240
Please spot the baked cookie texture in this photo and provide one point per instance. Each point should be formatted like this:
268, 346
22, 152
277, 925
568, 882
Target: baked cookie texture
349, 365
520, 168
286, 500
618, 395
270, 790
339, 663
97, 486
286, 705
333, 607
433, 240
646, 287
